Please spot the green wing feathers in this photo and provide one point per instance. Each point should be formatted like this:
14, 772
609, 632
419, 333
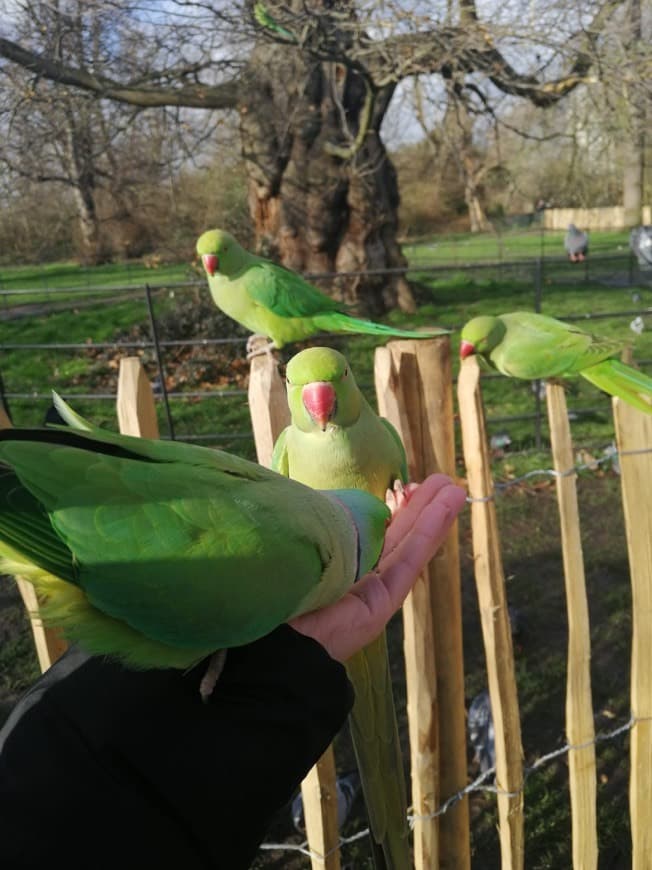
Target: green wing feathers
626, 382
397, 439
162, 561
286, 293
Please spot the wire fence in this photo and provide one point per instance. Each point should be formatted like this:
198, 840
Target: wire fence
619, 272
485, 783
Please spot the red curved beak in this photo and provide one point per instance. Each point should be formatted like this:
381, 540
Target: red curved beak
211, 263
319, 401
466, 349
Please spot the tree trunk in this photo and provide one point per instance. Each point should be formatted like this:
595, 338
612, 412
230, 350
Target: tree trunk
316, 211
634, 144
81, 170
472, 190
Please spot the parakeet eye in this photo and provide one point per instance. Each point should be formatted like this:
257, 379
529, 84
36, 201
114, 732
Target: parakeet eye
346, 371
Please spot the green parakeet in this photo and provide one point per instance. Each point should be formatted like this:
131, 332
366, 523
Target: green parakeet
532, 346
335, 439
274, 302
265, 19
161, 553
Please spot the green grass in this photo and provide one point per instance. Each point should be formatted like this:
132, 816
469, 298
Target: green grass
464, 248
49, 282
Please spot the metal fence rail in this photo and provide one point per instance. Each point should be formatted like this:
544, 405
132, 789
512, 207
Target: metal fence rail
619, 271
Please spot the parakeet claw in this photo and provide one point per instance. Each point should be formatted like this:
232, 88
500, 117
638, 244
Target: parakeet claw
397, 497
257, 345
212, 675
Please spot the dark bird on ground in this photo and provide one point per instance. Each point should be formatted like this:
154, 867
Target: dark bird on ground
576, 243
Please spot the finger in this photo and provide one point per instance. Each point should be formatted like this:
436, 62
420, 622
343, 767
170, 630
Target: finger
400, 569
421, 495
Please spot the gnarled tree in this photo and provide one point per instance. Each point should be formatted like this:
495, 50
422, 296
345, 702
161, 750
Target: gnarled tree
311, 82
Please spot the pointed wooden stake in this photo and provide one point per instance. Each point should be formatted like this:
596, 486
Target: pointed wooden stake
135, 403
496, 629
268, 405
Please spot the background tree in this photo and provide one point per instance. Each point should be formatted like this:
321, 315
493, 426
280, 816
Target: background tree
105, 154
311, 96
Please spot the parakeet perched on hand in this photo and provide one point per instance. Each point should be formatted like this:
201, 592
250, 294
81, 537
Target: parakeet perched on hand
526, 345
274, 302
160, 553
335, 439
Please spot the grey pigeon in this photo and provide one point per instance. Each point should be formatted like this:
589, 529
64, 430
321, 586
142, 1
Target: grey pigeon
480, 723
640, 241
480, 726
348, 787
576, 243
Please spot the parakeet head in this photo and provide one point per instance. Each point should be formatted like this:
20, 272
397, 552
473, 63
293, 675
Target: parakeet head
220, 252
322, 391
481, 335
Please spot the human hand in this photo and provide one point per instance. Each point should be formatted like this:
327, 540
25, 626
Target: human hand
417, 530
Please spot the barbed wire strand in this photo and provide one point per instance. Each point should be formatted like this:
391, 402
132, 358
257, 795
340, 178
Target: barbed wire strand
612, 455
477, 785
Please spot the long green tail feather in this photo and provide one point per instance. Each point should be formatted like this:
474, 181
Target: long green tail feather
626, 382
334, 321
380, 762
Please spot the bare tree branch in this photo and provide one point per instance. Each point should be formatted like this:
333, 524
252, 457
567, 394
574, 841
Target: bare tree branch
200, 96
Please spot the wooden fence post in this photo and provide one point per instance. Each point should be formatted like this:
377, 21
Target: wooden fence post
135, 404
580, 731
268, 405
633, 436
496, 629
414, 390
49, 642
270, 414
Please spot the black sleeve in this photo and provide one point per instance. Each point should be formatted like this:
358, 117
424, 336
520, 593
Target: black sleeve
106, 767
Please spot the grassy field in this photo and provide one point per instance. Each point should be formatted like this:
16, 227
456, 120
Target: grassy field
458, 288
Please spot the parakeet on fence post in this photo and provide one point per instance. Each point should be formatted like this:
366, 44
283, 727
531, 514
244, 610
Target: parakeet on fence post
274, 302
336, 439
532, 346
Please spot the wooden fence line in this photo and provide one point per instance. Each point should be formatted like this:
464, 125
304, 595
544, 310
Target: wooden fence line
414, 390
580, 731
